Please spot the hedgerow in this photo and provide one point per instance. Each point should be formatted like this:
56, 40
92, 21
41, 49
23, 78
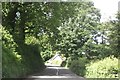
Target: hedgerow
105, 68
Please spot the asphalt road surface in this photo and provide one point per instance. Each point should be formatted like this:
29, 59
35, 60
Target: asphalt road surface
55, 73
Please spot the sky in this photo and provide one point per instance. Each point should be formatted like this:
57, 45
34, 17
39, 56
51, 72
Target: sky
108, 8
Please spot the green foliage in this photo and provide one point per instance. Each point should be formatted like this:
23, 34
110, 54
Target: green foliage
46, 55
46, 47
96, 51
34, 57
31, 40
105, 68
108, 31
43, 44
63, 26
12, 66
7, 40
78, 66
77, 30
35, 30
115, 36
15, 64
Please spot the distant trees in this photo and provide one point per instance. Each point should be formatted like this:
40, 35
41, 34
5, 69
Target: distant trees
114, 36
78, 30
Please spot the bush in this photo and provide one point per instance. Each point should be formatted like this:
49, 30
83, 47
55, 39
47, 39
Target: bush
31, 57
12, 66
46, 55
106, 68
78, 66
19, 60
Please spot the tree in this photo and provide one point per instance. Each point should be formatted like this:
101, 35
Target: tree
24, 20
78, 29
114, 36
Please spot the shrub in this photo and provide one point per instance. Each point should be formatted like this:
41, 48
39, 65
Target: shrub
18, 61
78, 66
106, 68
31, 57
12, 66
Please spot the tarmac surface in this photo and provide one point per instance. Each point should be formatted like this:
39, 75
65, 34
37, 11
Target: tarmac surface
55, 73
